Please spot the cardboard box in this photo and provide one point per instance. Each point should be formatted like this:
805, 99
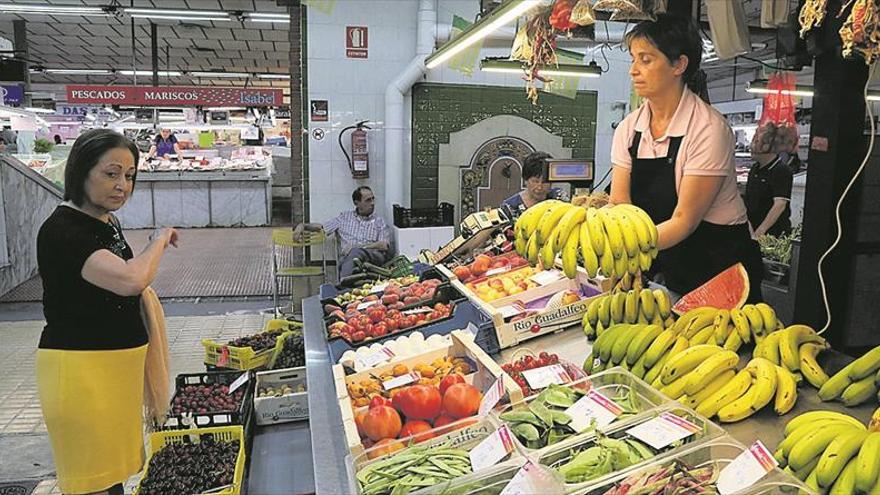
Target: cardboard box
284, 409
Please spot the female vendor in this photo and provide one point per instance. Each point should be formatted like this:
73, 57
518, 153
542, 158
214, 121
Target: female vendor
674, 158
164, 144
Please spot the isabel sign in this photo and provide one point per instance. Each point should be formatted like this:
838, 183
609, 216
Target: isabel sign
173, 95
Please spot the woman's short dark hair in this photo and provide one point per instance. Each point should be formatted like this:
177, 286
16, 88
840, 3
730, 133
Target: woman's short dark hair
533, 165
674, 36
87, 150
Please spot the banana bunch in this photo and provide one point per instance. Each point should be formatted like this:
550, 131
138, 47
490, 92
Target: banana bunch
730, 329
832, 453
795, 348
856, 383
634, 306
641, 348
617, 239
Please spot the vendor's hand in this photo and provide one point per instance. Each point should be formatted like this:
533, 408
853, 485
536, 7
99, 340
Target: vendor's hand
167, 235
298, 232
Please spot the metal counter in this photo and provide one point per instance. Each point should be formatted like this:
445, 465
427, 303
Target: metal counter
328, 443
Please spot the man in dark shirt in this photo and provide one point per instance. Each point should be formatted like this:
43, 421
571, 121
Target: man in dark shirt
768, 194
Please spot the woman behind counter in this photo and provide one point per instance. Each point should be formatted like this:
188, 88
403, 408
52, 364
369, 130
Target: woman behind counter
164, 144
90, 361
674, 158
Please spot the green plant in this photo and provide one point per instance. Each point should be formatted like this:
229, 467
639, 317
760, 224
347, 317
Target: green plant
778, 248
43, 146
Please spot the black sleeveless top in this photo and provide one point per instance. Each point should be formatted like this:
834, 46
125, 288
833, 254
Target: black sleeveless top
79, 315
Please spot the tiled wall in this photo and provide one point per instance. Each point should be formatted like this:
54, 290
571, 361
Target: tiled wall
440, 109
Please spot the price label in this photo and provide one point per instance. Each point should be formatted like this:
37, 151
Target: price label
511, 310
417, 311
491, 397
241, 380
223, 360
378, 288
532, 480
496, 271
400, 381
363, 306
473, 330
492, 449
746, 469
546, 277
543, 377
663, 430
593, 409
371, 359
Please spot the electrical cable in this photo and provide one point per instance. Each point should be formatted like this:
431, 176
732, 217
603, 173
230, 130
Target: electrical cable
840, 204
602, 181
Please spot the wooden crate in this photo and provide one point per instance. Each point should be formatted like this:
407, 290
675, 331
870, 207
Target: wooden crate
553, 320
486, 373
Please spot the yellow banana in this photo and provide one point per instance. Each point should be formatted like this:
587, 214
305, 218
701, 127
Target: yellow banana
675, 389
658, 347
632, 265
819, 415
703, 320
631, 306
709, 369
733, 342
859, 392
647, 303
620, 267
604, 344
638, 368
704, 336
786, 391
686, 361
866, 365
734, 389
604, 310
618, 351
653, 374
664, 305
646, 220
846, 482
707, 391
756, 321
548, 255
639, 345
740, 408
593, 310
591, 261
814, 443
741, 323
606, 262
550, 220
770, 347
837, 455
528, 221
645, 261
532, 250
570, 221
684, 321
618, 301
519, 244
768, 316
868, 462
765, 382
628, 230
722, 318
589, 328
795, 435
613, 235
570, 253
813, 373
790, 342
597, 232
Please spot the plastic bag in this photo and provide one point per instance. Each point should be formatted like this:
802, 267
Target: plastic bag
777, 129
582, 14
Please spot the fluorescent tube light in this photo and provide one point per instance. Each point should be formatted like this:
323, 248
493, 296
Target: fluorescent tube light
178, 17
21, 8
178, 12
77, 71
220, 74
561, 70
273, 76
166, 73
265, 17
39, 110
261, 19
760, 87
502, 15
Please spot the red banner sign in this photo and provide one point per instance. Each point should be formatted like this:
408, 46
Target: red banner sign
173, 95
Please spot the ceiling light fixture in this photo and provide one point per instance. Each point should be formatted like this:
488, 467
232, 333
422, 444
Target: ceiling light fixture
77, 71
179, 18
177, 12
561, 70
220, 74
273, 76
265, 17
760, 87
502, 15
164, 73
27, 9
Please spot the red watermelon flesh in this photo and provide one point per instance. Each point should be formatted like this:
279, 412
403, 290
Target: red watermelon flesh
727, 290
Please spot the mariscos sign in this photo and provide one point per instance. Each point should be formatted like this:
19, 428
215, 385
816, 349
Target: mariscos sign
173, 95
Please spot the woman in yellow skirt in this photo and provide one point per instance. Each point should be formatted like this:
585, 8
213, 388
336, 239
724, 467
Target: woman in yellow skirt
90, 362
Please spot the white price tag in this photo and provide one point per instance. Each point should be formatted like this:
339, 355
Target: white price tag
746, 469
593, 408
491, 397
371, 359
532, 480
546, 277
400, 381
663, 430
417, 311
378, 288
473, 329
241, 380
492, 449
543, 377
363, 306
496, 271
511, 310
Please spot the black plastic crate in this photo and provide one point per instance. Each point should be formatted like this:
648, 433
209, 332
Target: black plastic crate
439, 216
213, 418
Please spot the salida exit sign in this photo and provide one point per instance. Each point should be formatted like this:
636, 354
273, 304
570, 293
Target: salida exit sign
356, 41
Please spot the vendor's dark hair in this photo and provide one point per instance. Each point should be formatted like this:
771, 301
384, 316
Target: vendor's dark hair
358, 193
533, 165
674, 36
88, 149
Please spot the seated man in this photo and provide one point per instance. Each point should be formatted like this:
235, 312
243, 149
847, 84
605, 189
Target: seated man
536, 189
362, 234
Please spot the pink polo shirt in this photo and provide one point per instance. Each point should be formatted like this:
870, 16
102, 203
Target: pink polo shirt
706, 149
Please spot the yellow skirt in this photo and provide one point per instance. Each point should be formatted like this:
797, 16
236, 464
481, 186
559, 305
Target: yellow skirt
93, 407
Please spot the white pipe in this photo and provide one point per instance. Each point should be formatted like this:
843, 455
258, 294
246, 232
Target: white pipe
615, 33
397, 130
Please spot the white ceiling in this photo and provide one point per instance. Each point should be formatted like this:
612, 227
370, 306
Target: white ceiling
79, 42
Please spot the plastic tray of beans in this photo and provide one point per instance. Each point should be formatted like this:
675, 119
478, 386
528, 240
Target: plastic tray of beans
174, 455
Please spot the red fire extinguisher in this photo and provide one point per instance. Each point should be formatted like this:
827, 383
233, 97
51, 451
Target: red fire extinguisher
359, 161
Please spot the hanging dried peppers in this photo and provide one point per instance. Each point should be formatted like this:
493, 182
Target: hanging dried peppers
861, 31
811, 15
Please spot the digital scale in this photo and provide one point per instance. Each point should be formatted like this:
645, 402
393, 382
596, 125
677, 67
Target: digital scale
475, 231
576, 172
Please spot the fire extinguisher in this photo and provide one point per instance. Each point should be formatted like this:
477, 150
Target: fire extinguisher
358, 162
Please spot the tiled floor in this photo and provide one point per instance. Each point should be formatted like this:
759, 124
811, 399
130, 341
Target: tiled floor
19, 405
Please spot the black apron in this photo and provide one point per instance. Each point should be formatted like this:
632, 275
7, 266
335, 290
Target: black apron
710, 249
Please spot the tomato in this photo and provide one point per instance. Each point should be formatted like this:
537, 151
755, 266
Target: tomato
420, 318
354, 323
382, 422
406, 321
379, 401
436, 315
439, 307
380, 329
416, 428
384, 447
391, 324
443, 420
461, 400
358, 336
359, 421
368, 330
450, 380
419, 401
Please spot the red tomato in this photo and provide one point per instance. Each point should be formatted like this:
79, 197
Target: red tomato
450, 380
419, 401
406, 321
436, 315
443, 420
380, 329
359, 422
461, 400
379, 401
382, 422
418, 429
391, 323
420, 318
354, 323
358, 336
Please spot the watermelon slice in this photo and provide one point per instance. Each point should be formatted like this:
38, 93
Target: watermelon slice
727, 290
